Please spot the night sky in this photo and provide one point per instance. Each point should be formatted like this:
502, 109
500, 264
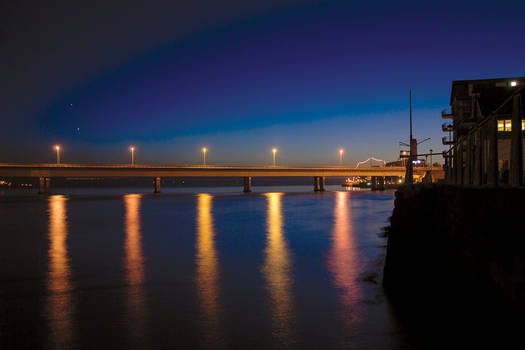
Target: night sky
240, 77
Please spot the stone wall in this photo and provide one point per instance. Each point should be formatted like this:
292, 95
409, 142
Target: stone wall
445, 239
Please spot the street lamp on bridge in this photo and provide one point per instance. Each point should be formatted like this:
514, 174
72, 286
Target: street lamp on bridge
274, 151
204, 150
57, 148
132, 149
341, 151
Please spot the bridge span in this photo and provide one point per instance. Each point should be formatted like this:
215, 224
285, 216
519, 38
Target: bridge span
47, 171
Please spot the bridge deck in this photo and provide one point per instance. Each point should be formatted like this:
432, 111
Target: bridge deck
83, 170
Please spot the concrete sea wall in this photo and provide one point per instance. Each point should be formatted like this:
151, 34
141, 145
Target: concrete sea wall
457, 242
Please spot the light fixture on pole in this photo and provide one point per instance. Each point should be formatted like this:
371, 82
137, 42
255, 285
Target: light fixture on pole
274, 151
132, 149
341, 151
204, 150
57, 147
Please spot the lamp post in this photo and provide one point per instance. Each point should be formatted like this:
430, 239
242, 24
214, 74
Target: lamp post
132, 149
57, 147
274, 151
204, 149
341, 151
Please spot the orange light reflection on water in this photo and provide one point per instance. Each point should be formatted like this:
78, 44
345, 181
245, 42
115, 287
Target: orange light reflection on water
134, 265
59, 303
207, 278
344, 261
277, 270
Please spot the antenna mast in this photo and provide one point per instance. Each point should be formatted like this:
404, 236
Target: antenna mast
409, 177
410, 115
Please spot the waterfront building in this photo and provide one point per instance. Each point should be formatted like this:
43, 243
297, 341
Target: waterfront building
479, 131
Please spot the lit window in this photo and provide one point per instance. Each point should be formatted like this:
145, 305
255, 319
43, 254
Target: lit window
508, 125
513, 83
501, 125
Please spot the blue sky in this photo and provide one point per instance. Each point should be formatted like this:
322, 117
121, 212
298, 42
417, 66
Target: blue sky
306, 77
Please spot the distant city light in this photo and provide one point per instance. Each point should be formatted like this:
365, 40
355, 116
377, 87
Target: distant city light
513, 83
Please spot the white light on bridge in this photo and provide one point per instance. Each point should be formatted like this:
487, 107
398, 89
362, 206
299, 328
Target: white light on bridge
513, 83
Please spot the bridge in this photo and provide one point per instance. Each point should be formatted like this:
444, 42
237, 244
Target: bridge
47, 171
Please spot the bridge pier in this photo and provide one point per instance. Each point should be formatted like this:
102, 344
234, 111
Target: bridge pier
42, 186
321, 183
157, 185
373, 181
247, 184
316, 184
381, 183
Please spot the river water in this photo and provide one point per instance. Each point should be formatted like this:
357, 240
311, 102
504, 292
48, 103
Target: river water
209, 268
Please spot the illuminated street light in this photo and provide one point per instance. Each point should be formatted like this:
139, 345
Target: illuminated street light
513, 83
341, 151
132, 149
204, 149
57, 147
274, 150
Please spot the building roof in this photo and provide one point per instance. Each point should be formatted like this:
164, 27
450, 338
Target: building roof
493, 92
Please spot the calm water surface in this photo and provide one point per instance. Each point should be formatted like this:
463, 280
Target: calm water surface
272, 269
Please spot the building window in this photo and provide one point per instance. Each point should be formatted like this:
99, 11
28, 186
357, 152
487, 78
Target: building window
506, 125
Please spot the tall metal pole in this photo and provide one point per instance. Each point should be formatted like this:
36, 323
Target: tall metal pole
431, 161
409, 179
410, 99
